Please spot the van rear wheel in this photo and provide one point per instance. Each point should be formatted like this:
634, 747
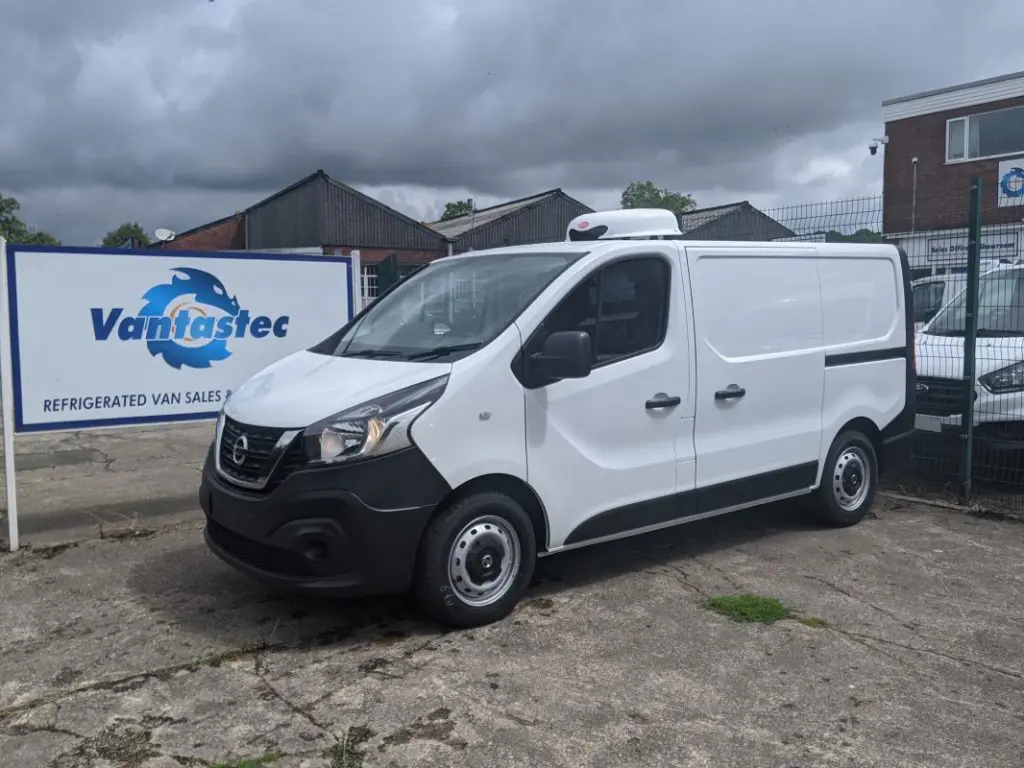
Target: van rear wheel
849, 482
476, 560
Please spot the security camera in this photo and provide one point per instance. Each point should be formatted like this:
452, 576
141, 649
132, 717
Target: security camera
873, 146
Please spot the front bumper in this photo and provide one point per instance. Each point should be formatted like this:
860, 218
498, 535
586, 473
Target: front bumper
341, 531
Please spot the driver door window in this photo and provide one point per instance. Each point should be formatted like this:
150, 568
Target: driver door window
623, 306
927, 300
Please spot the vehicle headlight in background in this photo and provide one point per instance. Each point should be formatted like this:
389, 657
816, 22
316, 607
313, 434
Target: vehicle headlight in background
373, 428
1008, 379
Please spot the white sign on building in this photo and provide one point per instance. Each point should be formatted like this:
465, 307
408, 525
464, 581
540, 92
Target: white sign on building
992, 245
1010, 182
109, 337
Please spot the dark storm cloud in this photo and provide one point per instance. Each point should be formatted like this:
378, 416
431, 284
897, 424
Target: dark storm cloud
182, 104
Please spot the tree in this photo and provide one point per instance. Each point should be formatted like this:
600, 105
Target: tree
129, 233
643, 194
457, 208
863, 235
17, 232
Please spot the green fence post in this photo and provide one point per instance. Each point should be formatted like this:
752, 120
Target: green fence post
971, 336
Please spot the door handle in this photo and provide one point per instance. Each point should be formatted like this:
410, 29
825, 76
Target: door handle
662, 400
732, 392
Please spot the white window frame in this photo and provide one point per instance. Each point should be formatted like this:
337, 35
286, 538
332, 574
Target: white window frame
965, 119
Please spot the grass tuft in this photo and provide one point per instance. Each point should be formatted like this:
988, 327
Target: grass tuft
263, 760
748, 608
348, 753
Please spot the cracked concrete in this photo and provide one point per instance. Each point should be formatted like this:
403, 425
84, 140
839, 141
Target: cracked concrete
83, 485
147, 652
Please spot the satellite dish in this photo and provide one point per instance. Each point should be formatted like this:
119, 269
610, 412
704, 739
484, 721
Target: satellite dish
163, 235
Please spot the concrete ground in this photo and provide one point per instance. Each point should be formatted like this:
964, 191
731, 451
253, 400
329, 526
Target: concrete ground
147, 652
81, 485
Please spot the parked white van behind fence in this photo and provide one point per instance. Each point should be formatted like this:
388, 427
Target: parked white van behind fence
999, 365
512, 403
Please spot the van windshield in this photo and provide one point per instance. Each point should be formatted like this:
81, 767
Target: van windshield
1000, 307
451, 307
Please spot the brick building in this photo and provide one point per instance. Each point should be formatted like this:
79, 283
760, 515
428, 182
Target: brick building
320, 214
937, 142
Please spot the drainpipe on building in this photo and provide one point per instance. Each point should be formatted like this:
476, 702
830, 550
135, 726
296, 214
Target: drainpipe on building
913, 200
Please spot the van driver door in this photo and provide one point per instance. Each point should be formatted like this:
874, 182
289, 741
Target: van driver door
603, 452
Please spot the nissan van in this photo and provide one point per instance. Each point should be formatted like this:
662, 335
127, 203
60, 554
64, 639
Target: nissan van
504, 405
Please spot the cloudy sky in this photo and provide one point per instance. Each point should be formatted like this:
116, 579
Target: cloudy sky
176, 112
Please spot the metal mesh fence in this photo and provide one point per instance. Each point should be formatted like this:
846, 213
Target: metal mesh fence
969, 351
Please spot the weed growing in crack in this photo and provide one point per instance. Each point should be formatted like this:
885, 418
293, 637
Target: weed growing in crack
748, 608
268, 758
348, 753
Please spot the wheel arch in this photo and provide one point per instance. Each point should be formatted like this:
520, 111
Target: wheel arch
870, 430
512, 486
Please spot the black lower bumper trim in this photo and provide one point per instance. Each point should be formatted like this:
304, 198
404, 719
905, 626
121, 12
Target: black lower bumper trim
317, 532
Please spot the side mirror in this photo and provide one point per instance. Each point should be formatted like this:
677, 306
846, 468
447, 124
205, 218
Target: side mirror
566, 355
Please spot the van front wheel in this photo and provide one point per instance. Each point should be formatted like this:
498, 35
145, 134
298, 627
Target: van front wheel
849, 482
476, 560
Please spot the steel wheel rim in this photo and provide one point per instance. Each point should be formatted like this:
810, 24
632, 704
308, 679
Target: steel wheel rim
484, 560
851, 478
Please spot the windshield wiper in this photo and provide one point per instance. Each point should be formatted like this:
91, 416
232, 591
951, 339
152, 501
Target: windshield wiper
372, 353
451, 349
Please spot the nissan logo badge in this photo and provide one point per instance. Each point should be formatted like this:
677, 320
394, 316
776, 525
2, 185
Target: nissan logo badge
239, 449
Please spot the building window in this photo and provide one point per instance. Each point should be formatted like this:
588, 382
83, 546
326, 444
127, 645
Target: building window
989, 134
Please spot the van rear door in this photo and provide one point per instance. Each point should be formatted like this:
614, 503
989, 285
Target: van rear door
760, 371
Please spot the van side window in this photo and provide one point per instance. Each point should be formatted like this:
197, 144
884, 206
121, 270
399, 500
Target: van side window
623, 306
927, 299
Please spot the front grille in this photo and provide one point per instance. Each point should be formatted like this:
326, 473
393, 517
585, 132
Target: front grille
255, 464
273, 560
941, 397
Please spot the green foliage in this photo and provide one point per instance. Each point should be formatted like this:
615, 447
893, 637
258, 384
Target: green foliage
457, 208
860, 236
748, 608
17, 232
644, 194
253, 762
129, 233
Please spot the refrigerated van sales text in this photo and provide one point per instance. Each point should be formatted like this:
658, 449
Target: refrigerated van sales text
137, 400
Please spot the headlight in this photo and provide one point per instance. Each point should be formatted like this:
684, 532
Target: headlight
1008, 379
373, 428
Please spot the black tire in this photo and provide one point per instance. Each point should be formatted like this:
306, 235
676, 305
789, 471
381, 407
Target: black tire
445, 590
841, 500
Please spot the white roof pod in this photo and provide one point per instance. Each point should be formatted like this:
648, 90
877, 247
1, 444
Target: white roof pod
625, 223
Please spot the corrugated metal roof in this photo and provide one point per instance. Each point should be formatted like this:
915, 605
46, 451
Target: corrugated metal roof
456, 227
695, 219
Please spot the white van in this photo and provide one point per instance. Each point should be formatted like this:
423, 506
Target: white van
932, 293
999, 364
507, 404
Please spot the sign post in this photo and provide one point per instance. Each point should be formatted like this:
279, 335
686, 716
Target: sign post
114, 337
7, 403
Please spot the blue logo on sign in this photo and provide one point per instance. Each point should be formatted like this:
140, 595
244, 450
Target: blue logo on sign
1012, 182
187, 321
